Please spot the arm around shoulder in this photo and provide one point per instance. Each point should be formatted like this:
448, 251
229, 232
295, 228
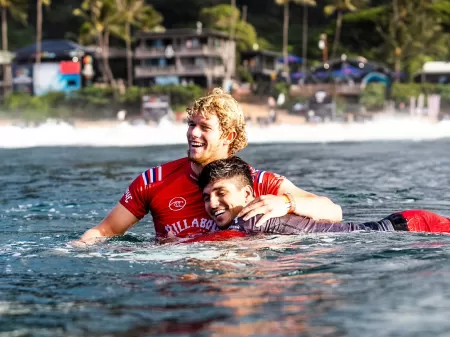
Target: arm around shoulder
117, 222
311, 205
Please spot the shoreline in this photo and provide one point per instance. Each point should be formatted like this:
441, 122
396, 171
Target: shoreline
252, 112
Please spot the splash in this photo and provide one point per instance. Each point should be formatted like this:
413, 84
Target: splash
125, 135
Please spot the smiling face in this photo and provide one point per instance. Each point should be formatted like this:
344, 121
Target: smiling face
205, 140
225, 198
222, 108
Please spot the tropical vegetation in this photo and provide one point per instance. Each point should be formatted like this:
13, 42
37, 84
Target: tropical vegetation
400, 33
403, 34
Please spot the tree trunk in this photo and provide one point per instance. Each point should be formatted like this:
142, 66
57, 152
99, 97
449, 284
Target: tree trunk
105, 55
129, 55
228, 59
337, 36
285, 40
6, 67
305, 39
397, 50
4, 30
38, 30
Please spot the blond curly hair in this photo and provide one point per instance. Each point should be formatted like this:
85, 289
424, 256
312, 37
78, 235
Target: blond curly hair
228, 111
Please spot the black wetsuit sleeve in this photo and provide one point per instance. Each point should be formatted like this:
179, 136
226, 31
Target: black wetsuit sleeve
296, 224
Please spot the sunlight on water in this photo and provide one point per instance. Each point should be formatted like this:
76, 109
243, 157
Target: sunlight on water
166, 133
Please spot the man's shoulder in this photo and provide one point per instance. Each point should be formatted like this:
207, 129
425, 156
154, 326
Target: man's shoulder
260, 176
159, 174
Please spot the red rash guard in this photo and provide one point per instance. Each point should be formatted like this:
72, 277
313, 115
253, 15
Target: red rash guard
170, 193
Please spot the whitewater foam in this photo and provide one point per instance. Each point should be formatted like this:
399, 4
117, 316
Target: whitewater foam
124, 134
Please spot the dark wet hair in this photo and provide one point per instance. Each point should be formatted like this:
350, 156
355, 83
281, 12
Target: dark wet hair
230, 168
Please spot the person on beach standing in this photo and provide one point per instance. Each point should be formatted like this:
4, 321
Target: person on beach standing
216, 130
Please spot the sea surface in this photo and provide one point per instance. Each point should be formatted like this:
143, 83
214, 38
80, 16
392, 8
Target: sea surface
357, 284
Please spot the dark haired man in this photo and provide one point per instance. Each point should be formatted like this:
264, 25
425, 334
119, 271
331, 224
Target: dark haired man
227, 188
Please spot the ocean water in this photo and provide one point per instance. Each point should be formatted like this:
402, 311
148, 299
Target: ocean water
57, 183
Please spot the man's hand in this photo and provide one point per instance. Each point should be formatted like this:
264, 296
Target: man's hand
270, 206
117, 222
85, 243
77, 244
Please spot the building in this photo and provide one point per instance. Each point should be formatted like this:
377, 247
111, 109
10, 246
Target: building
262, 64
436, 72
177, 56
65, 66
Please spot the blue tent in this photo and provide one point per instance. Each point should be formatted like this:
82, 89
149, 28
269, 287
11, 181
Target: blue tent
347, 71
298, 75
52, 49
292, 59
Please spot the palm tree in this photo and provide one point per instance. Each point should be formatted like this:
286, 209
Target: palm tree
101, 19
305, 34
135, 13
39, 4
339, 7
285, 3
18, 10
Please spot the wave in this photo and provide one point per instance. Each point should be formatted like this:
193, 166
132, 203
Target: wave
123, 134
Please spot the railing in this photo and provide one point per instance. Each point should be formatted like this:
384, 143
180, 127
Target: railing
149, 71
143, 71
144, 52
332, 89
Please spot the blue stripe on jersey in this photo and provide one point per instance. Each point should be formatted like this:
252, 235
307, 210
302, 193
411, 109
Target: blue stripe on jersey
259, 176
152, 175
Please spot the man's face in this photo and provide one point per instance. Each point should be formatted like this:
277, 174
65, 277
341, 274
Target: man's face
224, 199
205, 141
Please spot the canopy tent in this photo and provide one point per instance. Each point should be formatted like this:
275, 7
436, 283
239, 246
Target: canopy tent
292, 59
51, 49
352, 68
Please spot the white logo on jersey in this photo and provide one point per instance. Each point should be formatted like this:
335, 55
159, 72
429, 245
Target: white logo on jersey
128, 195
177, 204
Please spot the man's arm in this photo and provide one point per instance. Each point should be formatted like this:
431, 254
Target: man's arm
306, 204
311, 205
117, 222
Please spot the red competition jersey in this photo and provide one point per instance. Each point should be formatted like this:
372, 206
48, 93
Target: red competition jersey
170, 193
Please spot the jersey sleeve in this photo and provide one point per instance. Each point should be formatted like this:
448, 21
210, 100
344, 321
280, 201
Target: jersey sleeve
267, 182
135, 198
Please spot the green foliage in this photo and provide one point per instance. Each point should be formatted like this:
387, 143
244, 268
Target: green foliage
281, 87
17, 9
138, 14
94, 102
373, 96
224, 18
403, 92
244, 75
341, 105
35, 108
421, 31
